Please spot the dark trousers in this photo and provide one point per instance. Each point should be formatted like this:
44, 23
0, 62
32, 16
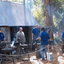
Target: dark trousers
34, 37
33, 47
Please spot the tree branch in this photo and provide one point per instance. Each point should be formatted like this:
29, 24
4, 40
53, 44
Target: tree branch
58, 6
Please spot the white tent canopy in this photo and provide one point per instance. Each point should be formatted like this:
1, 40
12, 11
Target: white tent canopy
12, 14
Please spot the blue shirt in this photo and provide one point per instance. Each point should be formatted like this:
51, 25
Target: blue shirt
1, 36
36, 31
62, 38
44, 38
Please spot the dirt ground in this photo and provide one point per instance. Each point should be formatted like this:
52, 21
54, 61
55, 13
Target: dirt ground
58, 58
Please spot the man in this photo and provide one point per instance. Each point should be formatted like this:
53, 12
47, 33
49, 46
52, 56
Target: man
20, 38
62, 39
44, 36
35, 34
2, 38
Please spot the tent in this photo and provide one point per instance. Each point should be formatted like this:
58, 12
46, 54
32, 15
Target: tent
12, 14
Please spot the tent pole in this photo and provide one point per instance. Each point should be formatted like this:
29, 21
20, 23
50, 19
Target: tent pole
24, 12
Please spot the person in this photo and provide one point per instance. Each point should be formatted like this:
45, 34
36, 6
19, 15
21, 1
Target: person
20, 38
44, 36
2, 38
62, 39
35, 34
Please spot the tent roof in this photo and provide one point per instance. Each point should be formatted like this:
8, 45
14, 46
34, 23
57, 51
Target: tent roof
12, 14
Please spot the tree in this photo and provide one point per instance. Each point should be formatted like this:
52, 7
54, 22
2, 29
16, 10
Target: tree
48, 4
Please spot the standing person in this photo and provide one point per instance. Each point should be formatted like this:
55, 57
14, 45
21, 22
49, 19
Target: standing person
35, 34
2, 38
44, 36
62, 39
20, 38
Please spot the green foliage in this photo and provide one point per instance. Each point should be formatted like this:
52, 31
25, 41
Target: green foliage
59, 3
39, 12
57, 17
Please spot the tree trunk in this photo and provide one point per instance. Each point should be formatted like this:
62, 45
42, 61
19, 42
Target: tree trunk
48, 4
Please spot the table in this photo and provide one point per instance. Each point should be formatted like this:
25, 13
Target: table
22, 46
8, 50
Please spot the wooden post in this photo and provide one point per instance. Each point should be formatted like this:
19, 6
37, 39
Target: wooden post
30, 37
48, 56
48, 53
36, 49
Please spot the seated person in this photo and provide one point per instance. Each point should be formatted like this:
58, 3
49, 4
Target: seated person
20, 38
